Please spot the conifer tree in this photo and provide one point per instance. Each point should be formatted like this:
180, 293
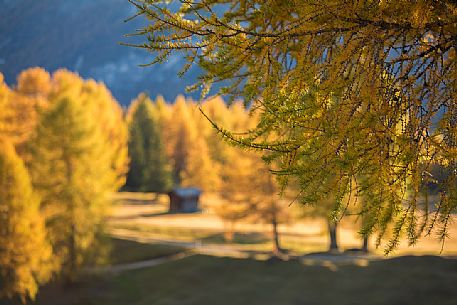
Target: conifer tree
71, 170
25, 254
149, 165
163, 111
192, 164
99, 102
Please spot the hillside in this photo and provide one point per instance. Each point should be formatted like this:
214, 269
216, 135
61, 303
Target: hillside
83, 36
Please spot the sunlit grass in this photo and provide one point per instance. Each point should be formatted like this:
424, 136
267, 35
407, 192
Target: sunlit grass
242, 240
150, 218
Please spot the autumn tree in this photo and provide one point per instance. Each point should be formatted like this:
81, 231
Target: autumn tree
21, 104
149, 166
25, 254
99, 101
71, 171
323, 209
268, 205
105, 110
232, 117
34, 82
346, 72
36, 87
163, 111
234, 165
234, 191
251, 193
6, 111
73, 138
191, 159
217, 110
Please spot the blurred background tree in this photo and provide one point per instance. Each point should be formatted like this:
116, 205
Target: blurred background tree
149, 166
73, 170
251, 193
190, 154
6, 113
25, 253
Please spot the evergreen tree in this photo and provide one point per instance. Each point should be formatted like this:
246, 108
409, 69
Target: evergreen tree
71, 170
25, 254
149, 165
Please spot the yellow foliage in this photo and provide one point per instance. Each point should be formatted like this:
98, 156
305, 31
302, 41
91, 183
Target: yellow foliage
25, 255
34, 82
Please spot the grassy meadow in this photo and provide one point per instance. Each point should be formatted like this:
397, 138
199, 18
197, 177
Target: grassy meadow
242, 271
203, 279
143, 216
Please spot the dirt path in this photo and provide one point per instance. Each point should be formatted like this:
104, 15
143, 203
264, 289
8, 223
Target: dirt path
332, 261
196, 247
139, 265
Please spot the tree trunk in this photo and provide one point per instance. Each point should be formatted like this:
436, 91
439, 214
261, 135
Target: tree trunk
72, 247
156, 197
229, 232
71, 276
275, 234
332, 227
365, 244
365, 236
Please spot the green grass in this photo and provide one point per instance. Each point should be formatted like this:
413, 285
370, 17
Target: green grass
127, 251
200, 280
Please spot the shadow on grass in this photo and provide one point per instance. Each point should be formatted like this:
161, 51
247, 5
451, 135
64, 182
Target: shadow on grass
142, 215
226, 281
150, 215
128, 251
134, 201
146, 215
238, 238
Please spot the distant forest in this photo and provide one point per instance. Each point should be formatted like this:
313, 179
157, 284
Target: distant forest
66, 145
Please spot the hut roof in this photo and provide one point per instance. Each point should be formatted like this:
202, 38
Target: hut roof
187, 191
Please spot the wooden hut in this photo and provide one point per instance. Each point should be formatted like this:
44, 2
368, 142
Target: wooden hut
184, 200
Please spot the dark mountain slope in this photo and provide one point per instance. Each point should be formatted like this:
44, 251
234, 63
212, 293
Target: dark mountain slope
83, 36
